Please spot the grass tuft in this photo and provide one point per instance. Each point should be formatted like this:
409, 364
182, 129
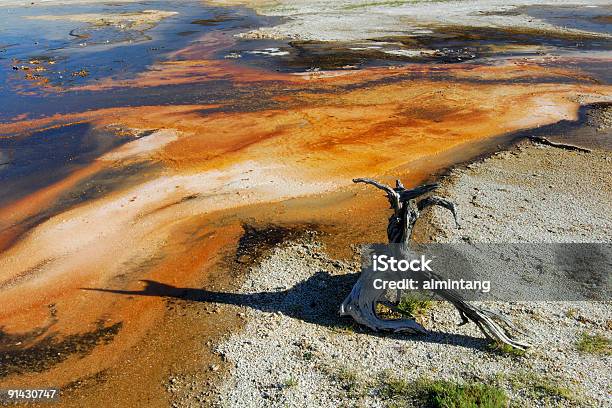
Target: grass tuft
542, 389
392, 387
291, 382
348, 379
571, 313
446, 394
308, 355
506, 349
594, 344
414, 304
441, 393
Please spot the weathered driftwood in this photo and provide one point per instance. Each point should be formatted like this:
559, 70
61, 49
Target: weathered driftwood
566, 146
361, 304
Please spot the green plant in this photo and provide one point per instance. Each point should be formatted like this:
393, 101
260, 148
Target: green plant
545, 388
392, 387
506, 349
442, 393
594, 344
414, 304
540, 388
291, 382
571, 313
448, 394
343, 329
348, 379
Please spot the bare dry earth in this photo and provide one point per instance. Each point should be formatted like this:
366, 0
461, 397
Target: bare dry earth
352, 20
293, 351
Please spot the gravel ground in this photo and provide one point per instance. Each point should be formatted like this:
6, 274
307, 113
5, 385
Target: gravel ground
533, 193
295, 351
351, 20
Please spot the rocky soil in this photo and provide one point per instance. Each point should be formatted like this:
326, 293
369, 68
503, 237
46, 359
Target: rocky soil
295, 351
533, 193
352, 20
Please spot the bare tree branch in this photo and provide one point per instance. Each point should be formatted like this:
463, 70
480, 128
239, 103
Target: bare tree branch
361, 305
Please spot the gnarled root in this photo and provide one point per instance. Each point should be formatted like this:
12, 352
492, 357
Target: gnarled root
362, 308
361, 304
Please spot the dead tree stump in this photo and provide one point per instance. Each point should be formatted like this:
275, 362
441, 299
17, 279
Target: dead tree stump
361, 304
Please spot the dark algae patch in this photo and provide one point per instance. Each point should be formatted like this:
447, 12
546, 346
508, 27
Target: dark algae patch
257, 240
445, 44
214, 21
39, 350
457, 44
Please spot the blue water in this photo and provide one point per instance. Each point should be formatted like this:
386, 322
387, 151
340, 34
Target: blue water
106, 52
573, 17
